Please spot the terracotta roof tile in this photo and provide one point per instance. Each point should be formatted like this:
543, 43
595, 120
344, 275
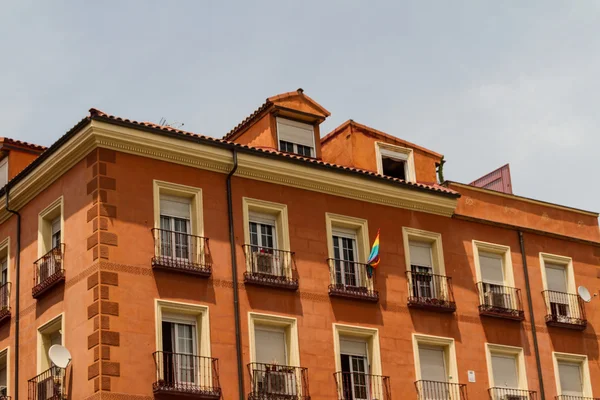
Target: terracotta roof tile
21, 143
427, 186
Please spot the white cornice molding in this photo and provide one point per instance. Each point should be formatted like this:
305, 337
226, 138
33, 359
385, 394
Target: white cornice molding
213, 158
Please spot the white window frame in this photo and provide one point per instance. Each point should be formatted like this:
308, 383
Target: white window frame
432, 238
5, 253
499, 249
565, 261
294, 122
512, 351
45, 218
184, 191
436, 341
288, 324
6, 353
399, 153
51, 326
580, 359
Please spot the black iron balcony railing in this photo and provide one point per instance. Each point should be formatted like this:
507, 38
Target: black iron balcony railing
568, 397
500, 301
564, 310
4, 304
270, 267
2, 397
49, 385
430, 390
48, 271
430, 292
502, 393
186, 374
350, 279
356, 385
181, 252
278, 382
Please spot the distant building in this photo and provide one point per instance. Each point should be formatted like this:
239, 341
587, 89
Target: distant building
125, 256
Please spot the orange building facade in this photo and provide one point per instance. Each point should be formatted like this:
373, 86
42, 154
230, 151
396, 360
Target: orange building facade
174, 265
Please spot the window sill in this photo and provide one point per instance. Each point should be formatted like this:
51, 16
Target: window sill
354, 292
280, 282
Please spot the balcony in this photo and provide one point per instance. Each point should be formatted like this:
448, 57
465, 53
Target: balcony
48, 271
500, 301
49, 385
181, 252
501, 393
355, 385
427, 390
4, 304
564, 310
270, 267
349, 279
567, 397
186, 375
278, 382
430, 292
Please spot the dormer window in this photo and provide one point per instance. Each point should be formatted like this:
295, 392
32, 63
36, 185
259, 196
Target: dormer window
395, 161
296, 137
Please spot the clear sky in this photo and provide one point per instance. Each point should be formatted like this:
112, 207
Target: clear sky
483, 82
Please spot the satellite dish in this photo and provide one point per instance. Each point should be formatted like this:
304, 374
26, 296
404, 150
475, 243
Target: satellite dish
584, 294
59, 355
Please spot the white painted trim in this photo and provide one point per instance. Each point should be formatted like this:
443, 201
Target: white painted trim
47, 328
565, 261
45, 218
437, 250
517, 352
437, 341
200, 311
175, 189
404, 154
502, 250
585, 370
289, 324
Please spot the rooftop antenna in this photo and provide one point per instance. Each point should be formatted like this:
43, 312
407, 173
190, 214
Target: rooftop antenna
59, 355
174, 125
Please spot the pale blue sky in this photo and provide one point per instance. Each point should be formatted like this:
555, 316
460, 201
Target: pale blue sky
483, 82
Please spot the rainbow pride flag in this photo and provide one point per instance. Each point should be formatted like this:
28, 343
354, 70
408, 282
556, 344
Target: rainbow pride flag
374, 258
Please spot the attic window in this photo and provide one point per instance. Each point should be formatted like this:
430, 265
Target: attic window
395, 161
296, 137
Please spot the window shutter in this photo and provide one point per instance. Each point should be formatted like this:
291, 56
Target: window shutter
491, 268
270, 346
260, 218
570, 379
344, 232
556, 279
173, 206
353, 347
433, 364
504, 370
420, 254
56, 225
295, 132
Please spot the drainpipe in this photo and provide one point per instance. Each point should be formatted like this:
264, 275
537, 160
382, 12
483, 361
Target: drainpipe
17, 284
234, 275
531, 316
